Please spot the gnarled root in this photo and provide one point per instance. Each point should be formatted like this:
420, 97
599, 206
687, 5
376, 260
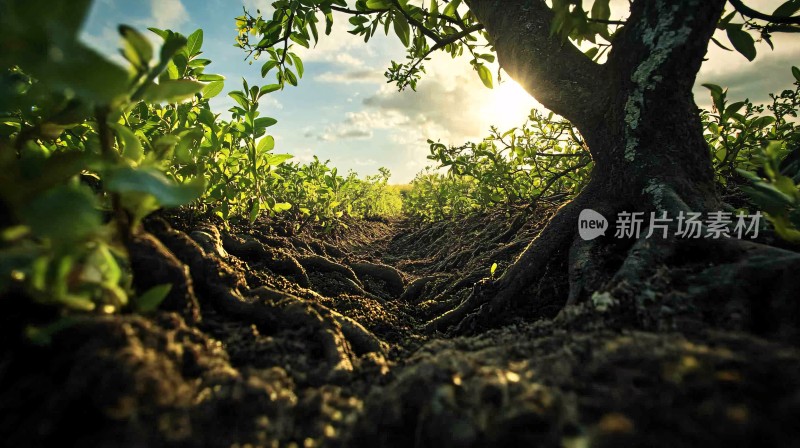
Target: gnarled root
395, 283
552, 242
277, 261
735, 284
749, 286
154, 265
341, 339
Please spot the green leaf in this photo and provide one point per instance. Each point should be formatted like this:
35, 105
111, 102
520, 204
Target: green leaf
208, 77
65, 214
44, 335
64, 68
172, 90
742, 41
452, 8
213, 89
796, 73
768, 197
298, 63
493, 269
715, 89
281, 207
762, 122
269, 65
734, 108
162, 33
290, 77
300, 40
485, 74
433, 10
152, 298
312, 25
719, 44
206, 117
787, 9
255, 209
269, 88
378, 4
102, 268
137, 48
266, 144
153, 182
171, 72
194, 42
401, 28
132, 147
749, 175
601, 10
240, 98
277, 159
264, 122
172, 45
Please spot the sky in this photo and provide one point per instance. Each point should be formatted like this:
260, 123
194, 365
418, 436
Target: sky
344, 111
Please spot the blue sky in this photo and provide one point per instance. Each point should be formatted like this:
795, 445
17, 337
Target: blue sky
344, 111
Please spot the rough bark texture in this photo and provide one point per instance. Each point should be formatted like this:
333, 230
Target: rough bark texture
636, 111
553, 71
639, 119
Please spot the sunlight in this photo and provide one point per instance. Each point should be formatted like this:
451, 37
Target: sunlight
509, 106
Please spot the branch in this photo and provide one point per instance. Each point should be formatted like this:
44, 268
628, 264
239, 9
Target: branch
452, 38
552, 70
441, 43
608, 22
286, 39
417, 24
354, 12
750, 12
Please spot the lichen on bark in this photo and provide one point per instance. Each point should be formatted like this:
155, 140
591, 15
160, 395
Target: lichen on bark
661, 40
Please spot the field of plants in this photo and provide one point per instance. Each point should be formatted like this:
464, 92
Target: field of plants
170, 277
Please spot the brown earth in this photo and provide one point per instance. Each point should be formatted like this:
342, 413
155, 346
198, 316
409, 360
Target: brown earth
313, 340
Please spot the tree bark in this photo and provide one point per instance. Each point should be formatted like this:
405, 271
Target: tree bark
636, 111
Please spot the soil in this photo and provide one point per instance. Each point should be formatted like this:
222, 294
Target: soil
313, 339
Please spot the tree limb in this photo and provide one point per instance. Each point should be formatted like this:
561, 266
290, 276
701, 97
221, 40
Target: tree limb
750, 12
554, 71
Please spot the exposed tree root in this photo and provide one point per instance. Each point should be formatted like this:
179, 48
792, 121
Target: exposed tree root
741, 273
395, 283
321, 264
416, 288
341, 339
154, 265
277, 261
748, 286
553, 241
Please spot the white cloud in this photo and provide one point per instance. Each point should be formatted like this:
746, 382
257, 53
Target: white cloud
339, 47
107, 43
768, 73
167, 14
269, 103
302, 156
357, 125
367, 75
263, 5
364, 162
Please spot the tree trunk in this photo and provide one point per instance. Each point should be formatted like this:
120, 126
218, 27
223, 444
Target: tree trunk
637, 110
642, 127
651, 136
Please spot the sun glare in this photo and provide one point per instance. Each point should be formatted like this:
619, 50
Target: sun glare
510, 105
